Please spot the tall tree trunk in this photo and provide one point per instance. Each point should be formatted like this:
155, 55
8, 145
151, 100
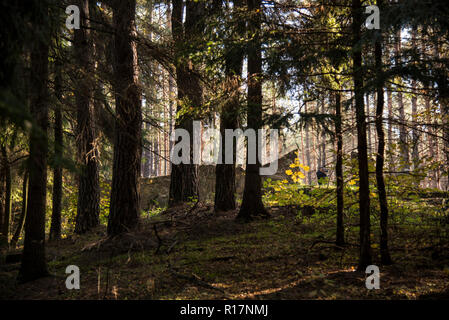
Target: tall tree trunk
303, 156
6, 167
307, 137
55, 228
151, 161
2, 205
415, 135
353, 132
88, 209
403, 143
171, 97
443, 97
7, 218
368, 124
171, 116
156, 155
390, 158
339, 171
316, 145
376, 141
225, 173
3, 238
436, 145
389, 141
364, 197
323, 139
430, 141
176, 177
125, 191
184, 177
147, 155
442, 81
23, 211
252, 195
34, 264
384, 252
165, 126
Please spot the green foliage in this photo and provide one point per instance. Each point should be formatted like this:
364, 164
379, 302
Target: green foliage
69, 207
282, 193
70, 203
293, 191
105, 194
154, 210
410, 205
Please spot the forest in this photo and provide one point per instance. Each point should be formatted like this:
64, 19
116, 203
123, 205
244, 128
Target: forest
224, 150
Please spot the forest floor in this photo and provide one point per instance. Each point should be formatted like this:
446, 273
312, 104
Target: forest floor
193, 253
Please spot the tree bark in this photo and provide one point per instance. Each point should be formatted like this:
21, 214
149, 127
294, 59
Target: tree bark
403, 143
443, 97
368, 125
55, 227
34, 264
364, 198
380, 157
252, 205
430, 138
323, 138
441, 88
442, 81
125, 192
88, 209
5, 179
184, 177
18, 231
431, 142
415, 135
170, 97
171, 116
2, 204
340, 240
225, 173
147, 151
307, 137
390, 158
8, 190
